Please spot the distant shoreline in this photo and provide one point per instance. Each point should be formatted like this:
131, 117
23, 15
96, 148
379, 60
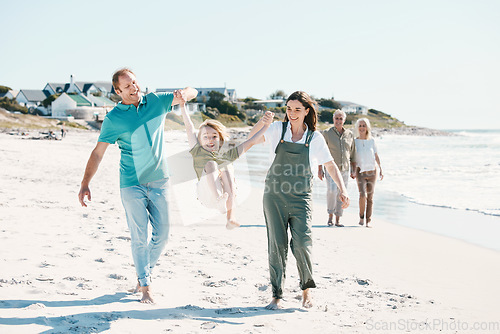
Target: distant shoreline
410, 131
238, 134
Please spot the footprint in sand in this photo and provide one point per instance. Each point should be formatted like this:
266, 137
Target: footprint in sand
84, 286
208, 325
35, 306
216, 300
73, 278
190, 307
363, 281
116, 276
216, 284
231, 310
45, 265
44, 279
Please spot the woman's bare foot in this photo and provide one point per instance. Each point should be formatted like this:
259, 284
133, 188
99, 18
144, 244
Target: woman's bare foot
361, 221
146, 295
306, 299
232, 224
275, 304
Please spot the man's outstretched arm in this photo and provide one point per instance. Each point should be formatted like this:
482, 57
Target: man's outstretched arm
90, 170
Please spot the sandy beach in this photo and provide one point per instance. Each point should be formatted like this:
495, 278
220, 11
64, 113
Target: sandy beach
67, 269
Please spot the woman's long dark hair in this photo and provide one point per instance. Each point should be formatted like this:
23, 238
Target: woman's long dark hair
308, 103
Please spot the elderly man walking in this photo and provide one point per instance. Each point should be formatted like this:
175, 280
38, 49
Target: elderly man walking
137, 125
340, 141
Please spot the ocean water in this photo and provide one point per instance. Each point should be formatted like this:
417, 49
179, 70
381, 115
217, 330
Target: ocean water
447, 185
459, 172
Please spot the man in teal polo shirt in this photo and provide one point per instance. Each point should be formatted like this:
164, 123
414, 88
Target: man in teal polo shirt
137, 125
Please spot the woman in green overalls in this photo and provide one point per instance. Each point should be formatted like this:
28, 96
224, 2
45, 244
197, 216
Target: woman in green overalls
287, 193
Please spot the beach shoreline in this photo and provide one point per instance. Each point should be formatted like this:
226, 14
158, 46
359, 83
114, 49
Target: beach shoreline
68, 268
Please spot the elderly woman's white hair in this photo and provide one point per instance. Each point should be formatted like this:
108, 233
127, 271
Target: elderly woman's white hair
368, 128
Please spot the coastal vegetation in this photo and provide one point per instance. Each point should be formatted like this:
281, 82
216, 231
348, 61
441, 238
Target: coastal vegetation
12, 105
219, 106
4, 89
378, 119
19, 121
48, 101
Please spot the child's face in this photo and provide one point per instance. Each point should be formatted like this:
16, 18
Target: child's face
209, 139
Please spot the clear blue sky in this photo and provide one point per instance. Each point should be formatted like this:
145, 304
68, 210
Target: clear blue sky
432, 63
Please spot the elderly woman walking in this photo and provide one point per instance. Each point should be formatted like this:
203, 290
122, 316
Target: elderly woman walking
367, 160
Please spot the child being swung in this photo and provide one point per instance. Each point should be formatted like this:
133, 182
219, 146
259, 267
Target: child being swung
215, 187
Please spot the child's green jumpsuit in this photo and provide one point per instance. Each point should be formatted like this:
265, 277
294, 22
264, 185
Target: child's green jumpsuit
287, 201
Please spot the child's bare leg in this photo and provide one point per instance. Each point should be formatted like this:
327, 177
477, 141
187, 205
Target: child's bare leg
228, 187
212, 175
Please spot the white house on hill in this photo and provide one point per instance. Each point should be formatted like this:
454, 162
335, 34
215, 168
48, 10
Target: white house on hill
274, 103
353, 108
31, 98
80, 87
203, 93
103, 88
81, 107
59, 88
11, 94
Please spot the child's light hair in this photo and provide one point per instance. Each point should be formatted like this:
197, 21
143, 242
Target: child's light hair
217, 126
368, 128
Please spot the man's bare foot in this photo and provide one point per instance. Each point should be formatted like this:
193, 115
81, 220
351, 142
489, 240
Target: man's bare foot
306, 299
232, 224
275, 304
146, 295
136, 289
361, 221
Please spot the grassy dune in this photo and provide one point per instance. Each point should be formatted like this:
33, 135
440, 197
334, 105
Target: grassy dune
14, 121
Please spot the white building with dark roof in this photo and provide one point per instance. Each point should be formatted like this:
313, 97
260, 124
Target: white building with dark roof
31, 98
103, 88
11, 94
204, 93
271, 103
97, 87
353, 108
80, 106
